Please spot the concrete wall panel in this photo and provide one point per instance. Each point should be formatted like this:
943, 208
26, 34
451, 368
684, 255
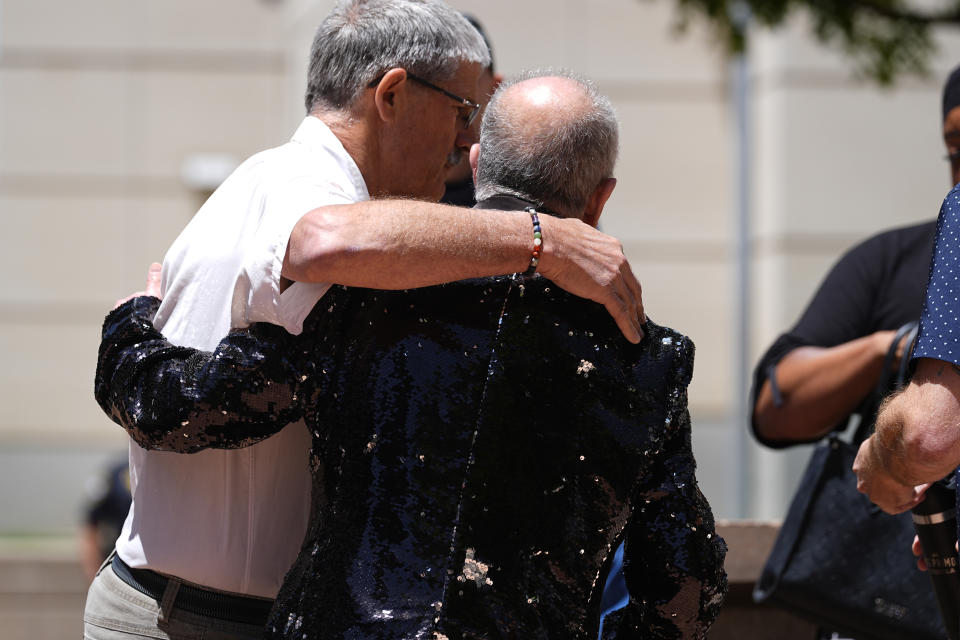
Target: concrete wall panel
52, 383
85, 251
117, 123
119, 25
673, 172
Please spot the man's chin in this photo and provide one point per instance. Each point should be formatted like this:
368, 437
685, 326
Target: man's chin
423, 195
456, 169
432, 195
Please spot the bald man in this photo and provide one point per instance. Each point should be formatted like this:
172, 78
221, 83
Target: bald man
479, 448
548, 143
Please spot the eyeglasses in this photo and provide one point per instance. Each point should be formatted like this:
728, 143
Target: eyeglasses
470, 104
468, 118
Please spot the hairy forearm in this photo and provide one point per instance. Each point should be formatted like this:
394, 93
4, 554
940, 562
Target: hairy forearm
917, 437
820, 386
402, 244
888, 453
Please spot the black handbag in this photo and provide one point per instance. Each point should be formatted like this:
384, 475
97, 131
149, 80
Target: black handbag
841, 562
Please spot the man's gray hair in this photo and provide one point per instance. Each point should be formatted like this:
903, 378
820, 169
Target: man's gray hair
555, 165
363, 39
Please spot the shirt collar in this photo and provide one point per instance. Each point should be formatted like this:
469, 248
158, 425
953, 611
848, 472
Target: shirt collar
508, 202
314, 134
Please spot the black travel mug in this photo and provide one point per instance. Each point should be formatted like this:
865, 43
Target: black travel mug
935, 520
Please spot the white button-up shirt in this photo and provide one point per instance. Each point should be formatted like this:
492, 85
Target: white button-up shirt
234, 520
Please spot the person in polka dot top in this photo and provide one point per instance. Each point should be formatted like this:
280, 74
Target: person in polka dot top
917, 437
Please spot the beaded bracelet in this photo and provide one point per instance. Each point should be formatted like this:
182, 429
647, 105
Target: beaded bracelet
537, 243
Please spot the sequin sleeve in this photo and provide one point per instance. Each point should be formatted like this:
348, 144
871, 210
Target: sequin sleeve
172, 398
673, 561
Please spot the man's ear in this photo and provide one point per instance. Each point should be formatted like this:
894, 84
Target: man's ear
388, 93
599, 197
474, 160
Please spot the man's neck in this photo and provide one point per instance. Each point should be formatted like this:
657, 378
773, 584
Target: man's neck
353, 134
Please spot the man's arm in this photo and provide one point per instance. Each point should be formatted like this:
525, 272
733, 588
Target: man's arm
917, 438
172, 398
673, 558
820, 386
402, 244
832, 359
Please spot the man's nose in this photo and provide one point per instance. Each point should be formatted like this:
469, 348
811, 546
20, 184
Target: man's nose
466, 138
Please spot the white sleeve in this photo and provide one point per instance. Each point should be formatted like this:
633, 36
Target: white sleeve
262, 265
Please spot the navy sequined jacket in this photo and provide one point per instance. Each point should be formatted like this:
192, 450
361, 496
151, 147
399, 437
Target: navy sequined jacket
479, 451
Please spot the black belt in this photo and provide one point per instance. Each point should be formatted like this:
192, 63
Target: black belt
204, 602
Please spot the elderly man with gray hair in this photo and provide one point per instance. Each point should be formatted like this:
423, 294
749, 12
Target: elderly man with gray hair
479, 448
548, 142
393, 87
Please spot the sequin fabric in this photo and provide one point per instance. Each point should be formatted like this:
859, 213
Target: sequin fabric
479, 451
172, 398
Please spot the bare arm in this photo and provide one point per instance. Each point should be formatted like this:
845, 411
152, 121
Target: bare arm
820, 386
401, 244
917, 438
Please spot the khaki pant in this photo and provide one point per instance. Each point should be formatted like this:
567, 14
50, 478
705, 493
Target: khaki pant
117, 611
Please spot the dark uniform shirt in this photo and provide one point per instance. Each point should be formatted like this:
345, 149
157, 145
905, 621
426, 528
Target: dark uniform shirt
876, 286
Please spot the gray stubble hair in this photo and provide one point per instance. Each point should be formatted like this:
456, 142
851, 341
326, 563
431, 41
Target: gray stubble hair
561, 166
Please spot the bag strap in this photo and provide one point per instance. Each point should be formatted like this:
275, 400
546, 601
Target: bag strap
889, 382
908, 345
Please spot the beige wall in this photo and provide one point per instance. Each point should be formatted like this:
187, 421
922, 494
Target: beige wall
102, 102
836, 159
